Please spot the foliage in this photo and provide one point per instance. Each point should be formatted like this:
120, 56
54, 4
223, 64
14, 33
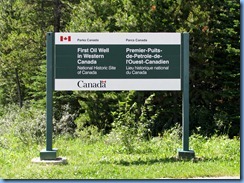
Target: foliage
216, 147
96, 109
103, 159
25, 125
28, 125
130, 123
214, 29
209, 95
65, 123
143, 128
215, 68
89, 134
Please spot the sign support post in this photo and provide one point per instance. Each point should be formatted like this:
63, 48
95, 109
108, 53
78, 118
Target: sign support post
49, 153
185, 152
115, 62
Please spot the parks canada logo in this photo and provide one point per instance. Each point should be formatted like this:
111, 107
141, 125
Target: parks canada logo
100, 84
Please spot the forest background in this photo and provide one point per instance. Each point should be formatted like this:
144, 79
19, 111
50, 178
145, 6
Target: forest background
214, 28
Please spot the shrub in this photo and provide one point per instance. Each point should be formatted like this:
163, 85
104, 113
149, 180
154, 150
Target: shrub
89, 134
64, 122
26, 124
131, 124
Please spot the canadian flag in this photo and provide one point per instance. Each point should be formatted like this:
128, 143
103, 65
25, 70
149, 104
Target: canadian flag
65, 38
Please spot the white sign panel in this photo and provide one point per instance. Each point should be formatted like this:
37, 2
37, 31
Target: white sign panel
117, 61
117, 38
117, 84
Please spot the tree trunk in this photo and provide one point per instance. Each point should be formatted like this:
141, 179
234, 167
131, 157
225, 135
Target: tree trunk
18, 88
57, 15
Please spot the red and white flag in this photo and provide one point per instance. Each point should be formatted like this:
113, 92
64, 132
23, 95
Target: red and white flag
65, 38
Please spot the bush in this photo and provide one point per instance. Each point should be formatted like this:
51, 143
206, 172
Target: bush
89, 134
216, 147
26, 124
64, 121
131, 124
96, 109
130, 141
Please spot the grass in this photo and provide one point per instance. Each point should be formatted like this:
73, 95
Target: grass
106, 159
115, 156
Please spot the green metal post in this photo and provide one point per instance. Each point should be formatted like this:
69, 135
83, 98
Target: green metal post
185, 153
49, 153
49, 99
185, 93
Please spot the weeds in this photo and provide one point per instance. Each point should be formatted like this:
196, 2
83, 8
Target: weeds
124, 153
27, 125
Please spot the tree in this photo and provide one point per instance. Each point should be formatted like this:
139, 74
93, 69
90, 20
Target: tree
214, 29
23, 40
215, 71
213, 39
17, 53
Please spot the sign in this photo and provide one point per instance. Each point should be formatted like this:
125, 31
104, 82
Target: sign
117, 61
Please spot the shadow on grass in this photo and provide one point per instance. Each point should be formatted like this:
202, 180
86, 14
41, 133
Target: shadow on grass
154, 161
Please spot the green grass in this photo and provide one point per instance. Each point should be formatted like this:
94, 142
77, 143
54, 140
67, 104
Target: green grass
105, 158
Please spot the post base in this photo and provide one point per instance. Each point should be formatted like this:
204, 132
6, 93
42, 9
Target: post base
186, 154
58, 161
48, 155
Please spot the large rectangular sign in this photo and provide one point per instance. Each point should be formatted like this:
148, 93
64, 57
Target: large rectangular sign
117, 61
